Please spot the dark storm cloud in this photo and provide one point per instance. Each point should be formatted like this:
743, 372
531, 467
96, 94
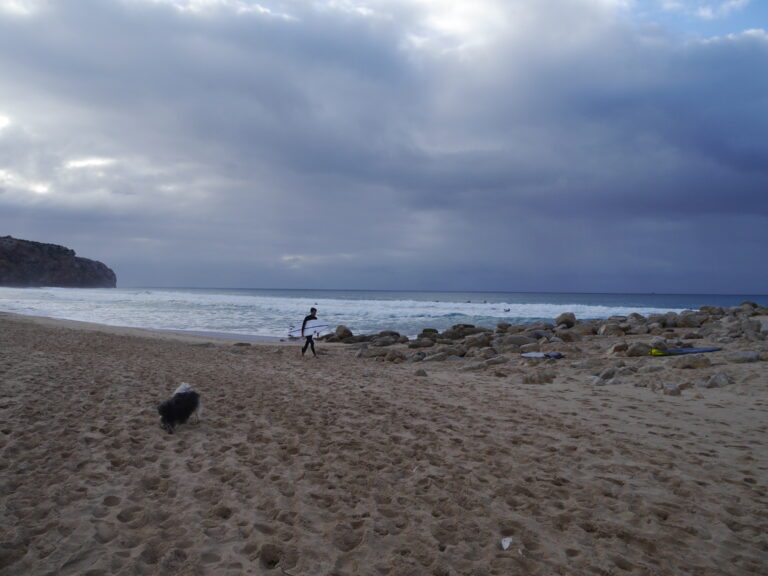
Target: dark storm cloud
559, 145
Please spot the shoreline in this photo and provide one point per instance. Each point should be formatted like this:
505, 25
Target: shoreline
182, 335
354, 465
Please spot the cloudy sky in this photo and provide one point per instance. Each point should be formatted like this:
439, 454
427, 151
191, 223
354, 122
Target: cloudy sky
559, 145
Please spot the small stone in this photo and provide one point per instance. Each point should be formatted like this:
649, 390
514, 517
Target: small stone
742, 357
719, 380
421, 373
692, 361
672, 390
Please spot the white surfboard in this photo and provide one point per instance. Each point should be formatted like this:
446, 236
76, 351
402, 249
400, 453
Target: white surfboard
311, 328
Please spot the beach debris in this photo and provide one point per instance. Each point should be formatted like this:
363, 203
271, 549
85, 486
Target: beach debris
506, 543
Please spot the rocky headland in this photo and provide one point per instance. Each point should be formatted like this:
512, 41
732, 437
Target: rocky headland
24, 263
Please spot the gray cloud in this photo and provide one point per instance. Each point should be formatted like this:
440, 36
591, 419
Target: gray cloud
547, 146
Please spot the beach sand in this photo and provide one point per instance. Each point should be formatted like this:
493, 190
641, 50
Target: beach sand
343, 465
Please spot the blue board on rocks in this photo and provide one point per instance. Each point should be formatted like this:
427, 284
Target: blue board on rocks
680, 351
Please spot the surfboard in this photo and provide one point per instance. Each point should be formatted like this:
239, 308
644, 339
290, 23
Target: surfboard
554, 355
312, 328
679, 351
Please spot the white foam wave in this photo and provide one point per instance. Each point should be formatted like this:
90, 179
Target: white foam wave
270, 314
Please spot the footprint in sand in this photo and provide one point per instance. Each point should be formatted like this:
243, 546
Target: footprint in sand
346, 538
111, 501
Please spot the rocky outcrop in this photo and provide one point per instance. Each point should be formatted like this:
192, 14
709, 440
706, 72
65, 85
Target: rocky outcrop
24, 263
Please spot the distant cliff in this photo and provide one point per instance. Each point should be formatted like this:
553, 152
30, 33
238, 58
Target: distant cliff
24, 263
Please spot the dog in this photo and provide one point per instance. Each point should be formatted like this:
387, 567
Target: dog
179, 407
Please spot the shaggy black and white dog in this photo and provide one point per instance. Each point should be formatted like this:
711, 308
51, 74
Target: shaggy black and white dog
179, 407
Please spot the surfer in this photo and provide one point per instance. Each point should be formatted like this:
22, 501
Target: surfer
310, 341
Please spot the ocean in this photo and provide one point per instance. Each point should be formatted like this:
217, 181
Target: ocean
268, 314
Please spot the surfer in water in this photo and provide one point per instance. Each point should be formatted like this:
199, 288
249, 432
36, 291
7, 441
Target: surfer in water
310, 341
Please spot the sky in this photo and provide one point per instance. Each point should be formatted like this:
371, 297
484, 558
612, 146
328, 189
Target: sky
515, 145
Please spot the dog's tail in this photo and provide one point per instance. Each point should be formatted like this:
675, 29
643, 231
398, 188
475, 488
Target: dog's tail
183, 388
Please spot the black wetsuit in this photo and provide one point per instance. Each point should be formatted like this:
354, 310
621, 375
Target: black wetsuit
310, 341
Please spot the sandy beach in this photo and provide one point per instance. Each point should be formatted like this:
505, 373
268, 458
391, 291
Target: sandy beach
343, 465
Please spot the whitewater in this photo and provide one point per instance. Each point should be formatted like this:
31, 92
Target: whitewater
254, 314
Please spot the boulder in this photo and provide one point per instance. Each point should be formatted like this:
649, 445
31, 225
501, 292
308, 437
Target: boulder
342, 333
395, 356
611, 329
567, 319
480, 340
639, 349
516, 340
421, 343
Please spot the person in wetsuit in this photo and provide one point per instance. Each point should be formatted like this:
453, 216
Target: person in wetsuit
310, 341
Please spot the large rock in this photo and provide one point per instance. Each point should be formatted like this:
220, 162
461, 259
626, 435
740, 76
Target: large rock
24, 263
567, 319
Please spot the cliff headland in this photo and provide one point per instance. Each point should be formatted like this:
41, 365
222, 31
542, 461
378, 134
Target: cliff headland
24, 263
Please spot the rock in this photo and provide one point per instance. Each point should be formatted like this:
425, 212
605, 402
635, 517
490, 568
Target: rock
691, 361
385, 340
342, 332
690, 319
473, 367
719, 380
516, 340
586, 328
618, 348
671, 320
480, 340
611, 330
639, 349
421, 373
395, 356
567, 319
460, 331
496, 360
607, 374
377, 352
24, 263
567, 335
651, 369
742, 357
539, 377
659, 343
533, 347
671, 390
421, 343
437, 357
455, 350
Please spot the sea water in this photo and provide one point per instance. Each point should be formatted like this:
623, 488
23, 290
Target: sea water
253, 314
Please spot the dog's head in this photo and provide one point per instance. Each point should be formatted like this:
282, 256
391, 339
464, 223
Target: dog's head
167, 420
